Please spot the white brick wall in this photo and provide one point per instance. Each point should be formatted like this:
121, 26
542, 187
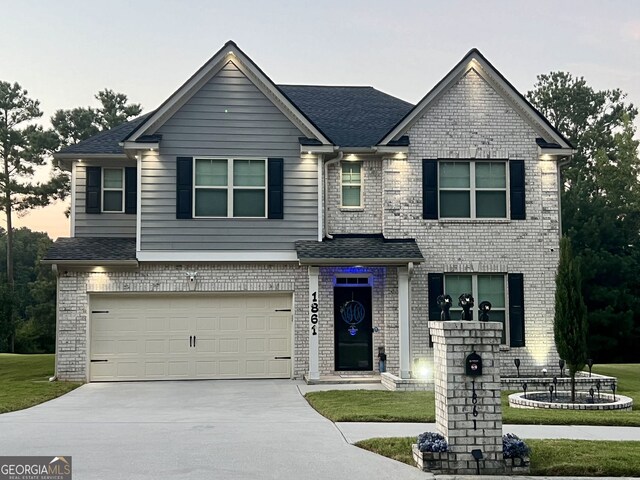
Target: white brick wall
472, 120
367, 219
75, 288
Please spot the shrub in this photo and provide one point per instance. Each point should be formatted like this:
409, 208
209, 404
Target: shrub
432, 442
513, 447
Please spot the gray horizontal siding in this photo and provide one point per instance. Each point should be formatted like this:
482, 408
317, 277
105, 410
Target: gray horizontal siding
103, 224
229, 117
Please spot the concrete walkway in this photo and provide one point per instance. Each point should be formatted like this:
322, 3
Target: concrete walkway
356, 431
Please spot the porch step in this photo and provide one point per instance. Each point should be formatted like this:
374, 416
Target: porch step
343, 379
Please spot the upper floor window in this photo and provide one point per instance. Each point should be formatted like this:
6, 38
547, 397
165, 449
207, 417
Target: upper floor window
482, 287
351, 184
472, 189
113, 190
229, 187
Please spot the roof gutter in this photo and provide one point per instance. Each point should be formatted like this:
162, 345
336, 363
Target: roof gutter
92, 263
360, 261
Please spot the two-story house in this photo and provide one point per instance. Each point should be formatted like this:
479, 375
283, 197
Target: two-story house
250, 230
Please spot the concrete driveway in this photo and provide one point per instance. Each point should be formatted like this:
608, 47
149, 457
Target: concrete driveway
192, 430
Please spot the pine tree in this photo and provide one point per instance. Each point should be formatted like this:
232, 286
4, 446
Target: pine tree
570, 323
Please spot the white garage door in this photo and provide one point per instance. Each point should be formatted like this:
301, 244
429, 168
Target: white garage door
190, 336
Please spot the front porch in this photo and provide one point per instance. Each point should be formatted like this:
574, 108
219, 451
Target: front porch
359, 308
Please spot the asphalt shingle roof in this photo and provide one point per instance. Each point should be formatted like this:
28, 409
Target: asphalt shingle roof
366, 249
107, 142
92, 248
349, 116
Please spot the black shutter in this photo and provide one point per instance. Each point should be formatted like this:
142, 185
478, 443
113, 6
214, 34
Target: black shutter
516, 309
130, 190
516, 193
436, 288
94, 189
430, 189
275, 185
184, 187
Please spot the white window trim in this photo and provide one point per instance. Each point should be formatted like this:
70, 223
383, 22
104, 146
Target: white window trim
472, 189
104, 189
361, 185
229, 187
474, 293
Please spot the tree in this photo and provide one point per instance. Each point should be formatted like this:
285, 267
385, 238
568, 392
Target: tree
73, 126
570, 321
600, 205
23, 146
32, 300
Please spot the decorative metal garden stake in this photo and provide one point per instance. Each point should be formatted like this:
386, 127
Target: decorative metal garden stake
524, 388
517, 364
561, 365
591, 392
613, 389
551, 393
590, 364
555, 385
598, 385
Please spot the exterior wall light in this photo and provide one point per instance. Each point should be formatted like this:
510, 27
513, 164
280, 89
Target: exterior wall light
444, 302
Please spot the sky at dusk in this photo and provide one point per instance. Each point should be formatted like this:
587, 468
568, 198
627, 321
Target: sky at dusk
64, 52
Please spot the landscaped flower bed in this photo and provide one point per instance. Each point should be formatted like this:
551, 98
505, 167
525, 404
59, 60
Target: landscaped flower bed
431, 454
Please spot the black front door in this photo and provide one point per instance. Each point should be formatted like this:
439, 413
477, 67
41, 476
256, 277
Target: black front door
353, 328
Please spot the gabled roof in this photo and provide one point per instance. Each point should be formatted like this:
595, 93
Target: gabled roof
358, 249
107, 142
92, 249
475, 60
349, 116
230, 52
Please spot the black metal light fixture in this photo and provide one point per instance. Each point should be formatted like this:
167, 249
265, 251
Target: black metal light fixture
477, 456
591, 392
524, 389
590, 364
544, 372
598, 385
466, 302
561, 365
484, 308
551, 393
444, 302
555, 385
516, 362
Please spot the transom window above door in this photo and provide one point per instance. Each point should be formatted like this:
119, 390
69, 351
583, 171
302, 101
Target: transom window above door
472, 189
229, 187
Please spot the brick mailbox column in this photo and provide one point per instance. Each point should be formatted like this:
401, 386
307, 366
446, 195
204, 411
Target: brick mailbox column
453, 341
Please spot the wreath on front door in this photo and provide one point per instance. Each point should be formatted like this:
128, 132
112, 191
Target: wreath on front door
352, 313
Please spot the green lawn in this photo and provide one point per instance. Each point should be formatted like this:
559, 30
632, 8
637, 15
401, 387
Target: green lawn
548, 457
382, 406
24, 381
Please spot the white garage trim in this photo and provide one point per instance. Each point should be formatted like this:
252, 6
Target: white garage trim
190, 336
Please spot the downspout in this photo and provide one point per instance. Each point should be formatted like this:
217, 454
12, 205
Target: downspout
326, 192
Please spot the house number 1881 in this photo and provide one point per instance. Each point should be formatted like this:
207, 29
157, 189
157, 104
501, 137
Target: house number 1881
314, 313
